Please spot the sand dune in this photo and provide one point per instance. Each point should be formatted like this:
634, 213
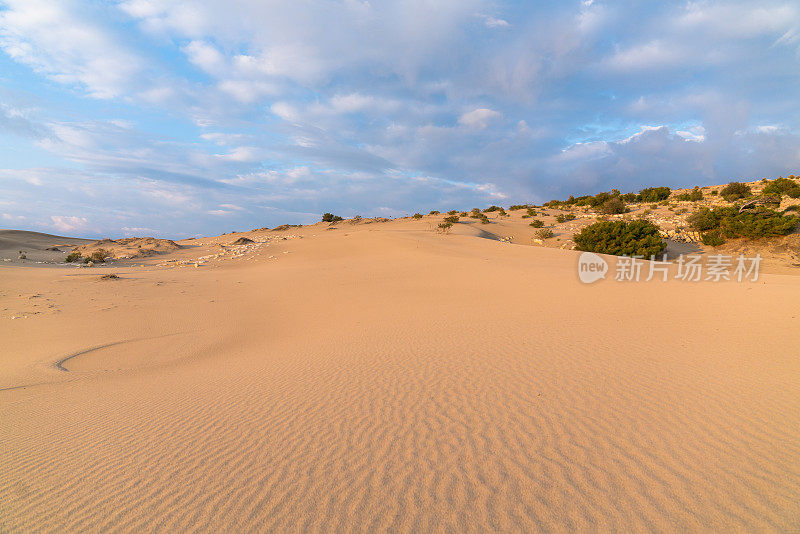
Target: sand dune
36, 247
385, 377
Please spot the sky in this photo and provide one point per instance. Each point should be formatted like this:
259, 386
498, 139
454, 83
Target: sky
180, 118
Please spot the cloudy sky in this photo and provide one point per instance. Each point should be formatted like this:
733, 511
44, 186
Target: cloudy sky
179, 118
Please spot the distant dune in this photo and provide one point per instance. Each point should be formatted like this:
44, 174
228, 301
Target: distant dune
388, 377
34, 246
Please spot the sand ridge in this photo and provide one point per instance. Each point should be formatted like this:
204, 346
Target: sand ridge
386, 377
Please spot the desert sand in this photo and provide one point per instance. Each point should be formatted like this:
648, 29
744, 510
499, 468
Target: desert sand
383, 376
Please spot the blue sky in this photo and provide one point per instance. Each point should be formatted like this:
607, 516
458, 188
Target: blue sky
179, 118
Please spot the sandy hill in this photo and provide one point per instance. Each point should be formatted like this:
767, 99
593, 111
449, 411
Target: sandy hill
386, 376
35, 246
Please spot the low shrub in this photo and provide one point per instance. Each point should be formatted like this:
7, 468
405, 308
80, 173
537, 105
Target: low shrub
434, 212
693, 196
544, 233
417, 215
73, 256
330, 217
463, 214
532, 212
730, 223
712, 239
445, 227
783, 186
492, 208
100, 255
564, 217
452, 212
451, 219
735, 191
537, 223
621, 238
653, 194
613, 206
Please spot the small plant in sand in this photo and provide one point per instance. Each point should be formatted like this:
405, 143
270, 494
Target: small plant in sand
543, 233
433, 212
330, 217
537, 223
452, 219
100, 255
492, 208
452, 212
621, 238
532, 212
417, 216
444, 227
564, 217
463, 214
72, 256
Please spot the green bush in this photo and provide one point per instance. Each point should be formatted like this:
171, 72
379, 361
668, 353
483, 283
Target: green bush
613, 206
731, 224
434, 212
735, 191
451, 219
452, 212
330, 217
516, 207
532, 212
564, 217
73, 256
715, 192
712, 239
537, 223
417, 215
621, 238
783, 186
463, 214
492, 208
445, 226
693, 196
653, 194
544, 233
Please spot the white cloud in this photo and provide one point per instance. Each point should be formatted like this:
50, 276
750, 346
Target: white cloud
61, 41
493, 22
241, 154
69, 223
479, 118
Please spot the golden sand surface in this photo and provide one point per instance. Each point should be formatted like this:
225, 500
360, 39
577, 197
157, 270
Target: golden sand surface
385, 377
